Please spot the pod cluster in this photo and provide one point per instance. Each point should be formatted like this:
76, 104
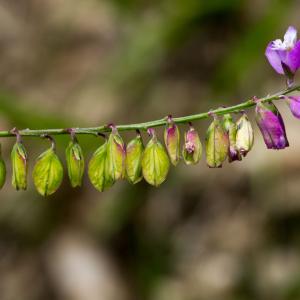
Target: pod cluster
113, 160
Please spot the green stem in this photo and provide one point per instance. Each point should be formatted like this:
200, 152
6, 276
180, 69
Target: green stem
156, 123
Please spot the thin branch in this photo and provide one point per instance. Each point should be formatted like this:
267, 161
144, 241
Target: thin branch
156, 123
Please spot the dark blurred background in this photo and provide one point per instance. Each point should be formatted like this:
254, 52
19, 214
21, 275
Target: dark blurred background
230, 233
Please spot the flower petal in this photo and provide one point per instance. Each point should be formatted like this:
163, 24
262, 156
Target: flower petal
294, 103
271, 124
274, 59
290, 36
293, 58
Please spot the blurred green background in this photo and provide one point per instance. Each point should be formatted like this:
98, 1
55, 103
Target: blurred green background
205, 234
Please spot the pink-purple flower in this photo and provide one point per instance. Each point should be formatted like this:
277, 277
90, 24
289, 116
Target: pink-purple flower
271, 125
294, 103
284, 56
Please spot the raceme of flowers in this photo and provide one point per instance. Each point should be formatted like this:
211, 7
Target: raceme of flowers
113, 160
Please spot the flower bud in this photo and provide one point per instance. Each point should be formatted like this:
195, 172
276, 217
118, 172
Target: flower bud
155, 161
231, 129
47, 173
271, 125
217, 144
294, 104
116, 152
97, 169
244, 135
192, 148
133, 161
2, 171
75, 163
19, 161
172, 141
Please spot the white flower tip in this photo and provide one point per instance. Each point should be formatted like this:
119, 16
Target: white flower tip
290, 37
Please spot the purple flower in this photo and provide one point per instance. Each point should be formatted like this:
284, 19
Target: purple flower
284, 56
271, 125
294, 103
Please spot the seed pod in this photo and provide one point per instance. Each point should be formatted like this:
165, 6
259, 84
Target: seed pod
115, 160
155, 161
97, 169
133, 161
75, 163
294, 104
217, 144
244, 135
47, 173
172, 141
19, 161
192, 148
231, 129
271, 125
2, 171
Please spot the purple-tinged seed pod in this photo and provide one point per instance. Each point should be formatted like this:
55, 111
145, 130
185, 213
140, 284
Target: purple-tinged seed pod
231, 129
172, 141
271, 125
192, 148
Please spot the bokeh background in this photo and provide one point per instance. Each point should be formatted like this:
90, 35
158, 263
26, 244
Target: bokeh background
205, 234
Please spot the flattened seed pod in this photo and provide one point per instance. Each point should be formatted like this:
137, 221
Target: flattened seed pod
172, 141
133, 161
244, 135
192, 148
75, 163
47, 173
115, 156
155, 161
19, 160
97, 169
217, 144
231, 129
2, 170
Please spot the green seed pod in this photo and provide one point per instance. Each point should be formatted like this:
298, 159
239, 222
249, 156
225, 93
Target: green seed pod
115, 159
172, 141
231, 129
97, 169
155, 161
244, 135
47, 173
75, 163
133, 161
192, 149
2, 171
217, 144
19, 161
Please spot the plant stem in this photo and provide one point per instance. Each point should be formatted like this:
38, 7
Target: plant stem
156, 123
